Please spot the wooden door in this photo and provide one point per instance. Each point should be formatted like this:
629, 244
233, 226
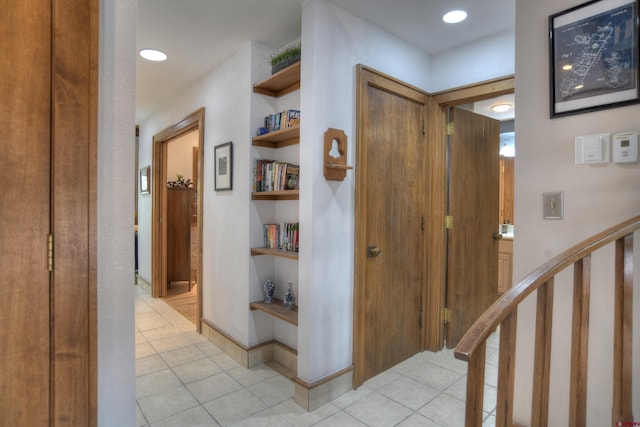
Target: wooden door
25, 113
389, 230
48, 118
472, 259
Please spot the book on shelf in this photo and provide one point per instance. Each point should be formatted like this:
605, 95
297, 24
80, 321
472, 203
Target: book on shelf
272, 175
283, 236
282, 120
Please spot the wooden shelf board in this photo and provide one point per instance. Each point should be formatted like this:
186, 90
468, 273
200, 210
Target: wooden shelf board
274, 252
279, 84
276, 195
276, 309
279, 138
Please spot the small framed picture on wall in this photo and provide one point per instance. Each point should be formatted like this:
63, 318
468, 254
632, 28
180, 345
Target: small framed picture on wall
223, 158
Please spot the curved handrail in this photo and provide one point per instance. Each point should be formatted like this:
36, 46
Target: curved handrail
499, 310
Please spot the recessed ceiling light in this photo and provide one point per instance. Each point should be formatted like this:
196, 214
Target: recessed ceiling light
454, 16
153, 55
501, 108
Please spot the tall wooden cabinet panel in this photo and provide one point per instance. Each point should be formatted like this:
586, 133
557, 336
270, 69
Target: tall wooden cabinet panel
179, 218
48, 213
25, 115
505, 265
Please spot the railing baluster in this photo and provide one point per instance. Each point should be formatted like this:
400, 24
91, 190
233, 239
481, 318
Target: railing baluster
622, 336
475, 387
580, 342
506, 370
542, 356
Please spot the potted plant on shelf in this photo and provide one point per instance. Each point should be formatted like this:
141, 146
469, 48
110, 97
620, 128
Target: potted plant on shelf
285, 56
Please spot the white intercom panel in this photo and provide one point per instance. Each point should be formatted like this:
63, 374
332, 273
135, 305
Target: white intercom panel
593, 148
625, 147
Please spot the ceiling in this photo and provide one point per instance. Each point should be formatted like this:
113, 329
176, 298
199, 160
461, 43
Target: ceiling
198, 35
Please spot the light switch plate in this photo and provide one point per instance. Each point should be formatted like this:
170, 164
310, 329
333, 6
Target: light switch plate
553, 205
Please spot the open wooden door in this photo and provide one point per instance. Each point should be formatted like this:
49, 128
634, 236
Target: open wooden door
389, 254
474, 181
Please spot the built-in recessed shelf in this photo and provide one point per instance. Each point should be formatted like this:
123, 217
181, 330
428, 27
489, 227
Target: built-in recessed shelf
281, 83
280, 138
274, 252
276, 195
276, 309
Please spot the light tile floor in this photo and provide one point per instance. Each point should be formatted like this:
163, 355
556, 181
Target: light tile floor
183, 380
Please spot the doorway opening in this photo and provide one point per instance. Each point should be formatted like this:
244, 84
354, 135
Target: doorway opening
181, 220
176, 240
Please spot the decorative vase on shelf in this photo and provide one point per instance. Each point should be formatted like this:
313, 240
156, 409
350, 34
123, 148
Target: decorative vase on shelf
269, 289
290, 298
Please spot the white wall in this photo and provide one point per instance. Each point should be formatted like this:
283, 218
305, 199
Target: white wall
596, 197
180, 156
334, 42
116, 142
226, 96
483, 59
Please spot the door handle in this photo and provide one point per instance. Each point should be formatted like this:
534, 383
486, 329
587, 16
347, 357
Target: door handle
497, 236
374, 251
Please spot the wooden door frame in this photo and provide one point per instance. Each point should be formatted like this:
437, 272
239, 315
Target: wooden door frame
193, 122
437, 185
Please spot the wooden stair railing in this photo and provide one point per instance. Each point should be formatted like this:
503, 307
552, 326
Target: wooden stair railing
503, 313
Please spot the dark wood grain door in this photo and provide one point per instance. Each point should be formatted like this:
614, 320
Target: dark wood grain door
389, 214
48, 205
25, 117
474, 184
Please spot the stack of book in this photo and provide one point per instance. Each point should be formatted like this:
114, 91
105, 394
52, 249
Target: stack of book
271, 175
282, 120
283, 236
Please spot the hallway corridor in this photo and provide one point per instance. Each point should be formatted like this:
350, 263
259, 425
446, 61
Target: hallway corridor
183, 380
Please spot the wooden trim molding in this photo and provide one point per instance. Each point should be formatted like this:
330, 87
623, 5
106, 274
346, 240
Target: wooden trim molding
94, 7
324, 380
436, 236
475, 92
311, 396
250, 357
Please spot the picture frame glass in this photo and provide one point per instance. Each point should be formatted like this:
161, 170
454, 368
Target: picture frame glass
145, 176
594, 57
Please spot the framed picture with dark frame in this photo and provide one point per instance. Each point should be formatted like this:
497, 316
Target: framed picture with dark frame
593, 60
145, 179
223, 165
